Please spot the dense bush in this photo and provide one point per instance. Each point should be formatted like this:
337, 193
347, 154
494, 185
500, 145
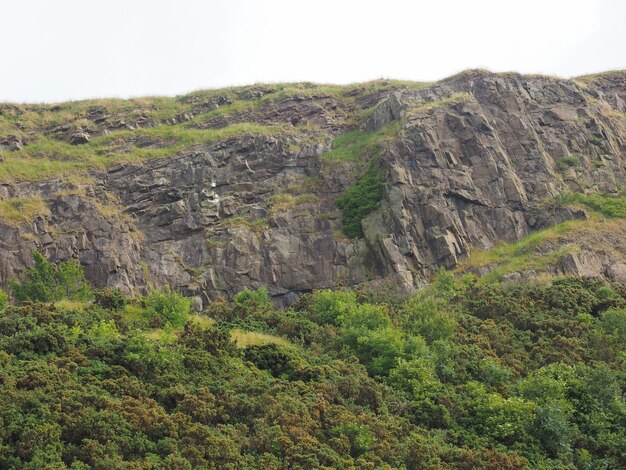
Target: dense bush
113, 299
167, 306
248, 301
360, 200
47, 282
461, 375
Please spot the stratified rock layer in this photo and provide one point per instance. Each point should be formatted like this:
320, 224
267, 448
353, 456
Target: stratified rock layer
472, 161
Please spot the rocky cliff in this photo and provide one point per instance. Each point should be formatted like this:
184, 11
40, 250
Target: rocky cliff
224, 189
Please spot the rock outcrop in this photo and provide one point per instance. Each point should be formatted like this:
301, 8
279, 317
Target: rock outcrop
468, 161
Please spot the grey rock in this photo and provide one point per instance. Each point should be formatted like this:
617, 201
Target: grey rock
475, 157
78, 138
11, 143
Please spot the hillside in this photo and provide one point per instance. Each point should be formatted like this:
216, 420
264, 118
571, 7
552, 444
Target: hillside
462, 375
302, 186
386, 275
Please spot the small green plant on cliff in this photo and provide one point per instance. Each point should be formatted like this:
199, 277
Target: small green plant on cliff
47, 282
597, 141
567, 162
360, 200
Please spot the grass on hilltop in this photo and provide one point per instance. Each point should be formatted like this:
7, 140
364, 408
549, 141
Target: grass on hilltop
49, 158
358, 145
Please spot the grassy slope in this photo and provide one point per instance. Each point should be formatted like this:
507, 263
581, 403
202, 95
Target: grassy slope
544, 248
48, 154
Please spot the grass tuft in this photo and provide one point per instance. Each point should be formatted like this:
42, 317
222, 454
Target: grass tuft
16, 211
608, 206
252, 338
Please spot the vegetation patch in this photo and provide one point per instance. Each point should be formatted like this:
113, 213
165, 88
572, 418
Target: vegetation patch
286, 201
522, 255
460, 375
452, 99
244, 338
608, 206
167, 307
567, 162
545, 248
16, 211
357, 146
46, 157
360, 200
49, 282
597, 141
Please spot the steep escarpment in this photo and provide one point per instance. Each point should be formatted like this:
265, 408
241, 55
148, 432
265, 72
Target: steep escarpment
219, 190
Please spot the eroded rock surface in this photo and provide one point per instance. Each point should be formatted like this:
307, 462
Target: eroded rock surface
472, 162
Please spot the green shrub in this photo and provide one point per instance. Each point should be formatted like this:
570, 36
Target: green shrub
253, 298
45, 282
112, 299
253, 303
329, 305
552, 427
504, 419
597, 141
360, 437
614, 322
368, 331
278, 360
360, 200
569, 161
427, 313
167, 306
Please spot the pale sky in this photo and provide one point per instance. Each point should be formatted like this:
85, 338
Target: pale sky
73, 49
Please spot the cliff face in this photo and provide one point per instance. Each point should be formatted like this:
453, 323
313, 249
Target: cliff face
466, 162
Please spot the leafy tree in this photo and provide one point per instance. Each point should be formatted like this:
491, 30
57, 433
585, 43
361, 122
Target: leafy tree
505, 419
552, 426
368, 331
614, 321
360, 437
167, 306
47, 282
329, 306
253, 303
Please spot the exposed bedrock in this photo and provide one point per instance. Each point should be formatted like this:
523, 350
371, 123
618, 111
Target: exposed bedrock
474, 160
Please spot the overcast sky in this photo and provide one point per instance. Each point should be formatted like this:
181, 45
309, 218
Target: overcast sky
73, 49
